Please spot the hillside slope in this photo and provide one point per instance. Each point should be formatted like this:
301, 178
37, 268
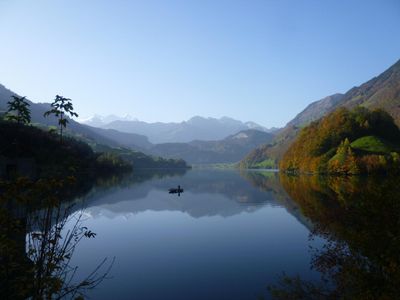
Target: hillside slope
382, 92
316, 110
103, 136
39, 153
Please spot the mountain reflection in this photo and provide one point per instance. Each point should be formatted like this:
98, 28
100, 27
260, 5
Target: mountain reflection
360, 220
207, 193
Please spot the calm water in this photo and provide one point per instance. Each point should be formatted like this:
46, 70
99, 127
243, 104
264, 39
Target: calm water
228, 236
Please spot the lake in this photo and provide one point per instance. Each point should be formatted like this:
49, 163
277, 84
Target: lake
230, 235
225, 237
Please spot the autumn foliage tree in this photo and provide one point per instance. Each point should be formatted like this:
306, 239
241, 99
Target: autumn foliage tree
326, 146
344, 162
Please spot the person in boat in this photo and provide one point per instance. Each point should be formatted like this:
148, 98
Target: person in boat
174, 191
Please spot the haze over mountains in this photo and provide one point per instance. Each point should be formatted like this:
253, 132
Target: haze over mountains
228, 150
210, 140
196, 128
90, 134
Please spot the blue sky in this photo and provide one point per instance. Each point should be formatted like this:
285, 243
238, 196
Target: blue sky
164, 60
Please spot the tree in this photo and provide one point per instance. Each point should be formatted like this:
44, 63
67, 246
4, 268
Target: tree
36, 248
18, 110
61, 108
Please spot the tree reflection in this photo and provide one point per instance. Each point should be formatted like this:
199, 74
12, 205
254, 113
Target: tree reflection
360, 220
38, 236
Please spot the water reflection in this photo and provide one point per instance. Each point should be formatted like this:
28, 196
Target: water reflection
207, 193
270, 182
226, 236
360, 219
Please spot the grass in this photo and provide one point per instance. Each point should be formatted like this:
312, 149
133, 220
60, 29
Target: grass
340, 157
372, 144
216, 166
265, 164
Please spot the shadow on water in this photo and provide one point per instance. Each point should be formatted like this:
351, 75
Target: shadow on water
359, 218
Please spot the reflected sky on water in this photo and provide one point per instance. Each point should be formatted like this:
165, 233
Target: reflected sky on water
226, 237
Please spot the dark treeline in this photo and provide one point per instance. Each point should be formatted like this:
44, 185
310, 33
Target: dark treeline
45, 153
45, 156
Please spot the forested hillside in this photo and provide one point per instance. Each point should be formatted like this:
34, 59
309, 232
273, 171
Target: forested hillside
346, 142
43, 155
382, 92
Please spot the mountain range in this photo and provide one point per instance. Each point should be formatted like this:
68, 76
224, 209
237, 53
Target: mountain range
99, 120
209, 140
196, 128
382, 91
90, 134
234, 138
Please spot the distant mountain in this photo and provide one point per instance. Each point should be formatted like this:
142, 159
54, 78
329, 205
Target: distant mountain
253, 125
196, 128
229, 150
382, 91
99, 121
267, 156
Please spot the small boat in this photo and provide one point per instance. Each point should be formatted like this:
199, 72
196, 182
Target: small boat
178, 190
